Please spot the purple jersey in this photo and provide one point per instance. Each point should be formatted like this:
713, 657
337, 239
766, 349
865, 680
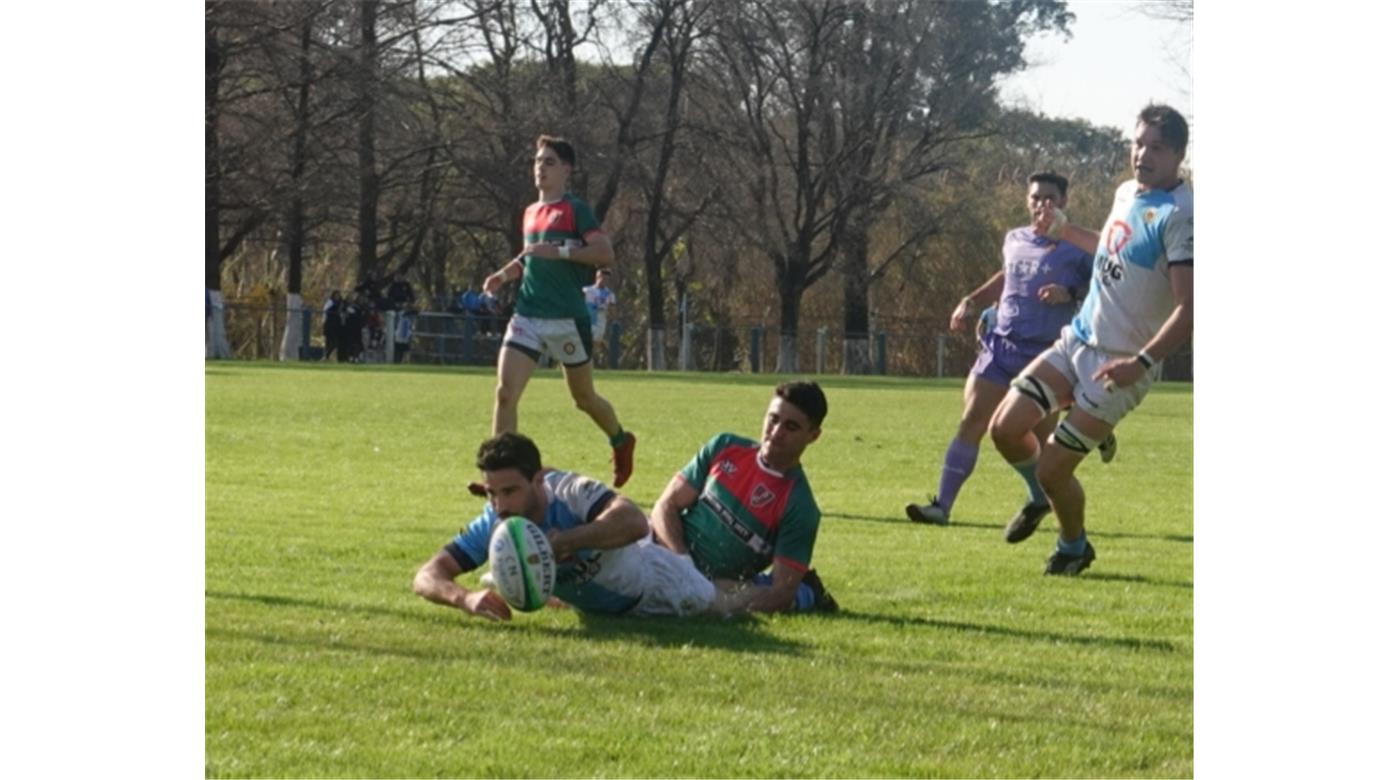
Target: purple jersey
1031, 262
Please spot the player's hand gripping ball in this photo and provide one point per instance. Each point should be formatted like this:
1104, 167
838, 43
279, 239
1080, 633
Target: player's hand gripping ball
522, 564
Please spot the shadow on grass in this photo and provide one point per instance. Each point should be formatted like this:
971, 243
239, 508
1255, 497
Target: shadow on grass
902, 520
740, 635
744, 634
1129, 643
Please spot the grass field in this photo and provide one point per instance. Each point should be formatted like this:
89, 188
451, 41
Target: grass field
327, 486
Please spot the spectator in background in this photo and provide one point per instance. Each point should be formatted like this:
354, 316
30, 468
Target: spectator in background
403, 333
352, 323
599, 298
331, 327
400, 293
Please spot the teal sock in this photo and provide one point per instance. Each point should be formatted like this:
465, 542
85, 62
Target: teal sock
1027, 472
1075, 547
618, 438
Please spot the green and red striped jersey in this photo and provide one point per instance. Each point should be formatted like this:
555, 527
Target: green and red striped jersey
552, 289
748, 514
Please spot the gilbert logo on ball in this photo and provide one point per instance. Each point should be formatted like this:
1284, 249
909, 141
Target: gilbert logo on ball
522, 563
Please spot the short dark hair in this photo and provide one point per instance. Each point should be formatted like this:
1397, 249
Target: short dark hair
1169, 122
509, 451
1050, 177
807, 396
563, 148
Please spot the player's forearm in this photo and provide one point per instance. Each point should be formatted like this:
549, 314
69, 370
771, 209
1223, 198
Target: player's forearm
440, 591
618, 526
1086, 240
990, 291
666, 524
766, 598
598, 252
1173, 334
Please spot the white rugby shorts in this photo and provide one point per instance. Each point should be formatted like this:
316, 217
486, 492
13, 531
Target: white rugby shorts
1078, 362
560, 338
673, 587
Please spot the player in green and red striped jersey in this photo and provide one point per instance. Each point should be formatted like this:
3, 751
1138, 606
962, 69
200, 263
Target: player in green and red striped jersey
564, 243
741, 506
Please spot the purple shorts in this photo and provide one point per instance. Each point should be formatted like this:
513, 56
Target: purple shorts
1001, 360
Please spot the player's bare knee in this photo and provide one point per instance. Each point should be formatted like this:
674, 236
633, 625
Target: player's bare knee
506, 396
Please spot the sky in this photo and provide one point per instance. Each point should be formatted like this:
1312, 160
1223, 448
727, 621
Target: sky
1117, 61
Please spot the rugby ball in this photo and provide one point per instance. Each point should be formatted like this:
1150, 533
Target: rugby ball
522, 563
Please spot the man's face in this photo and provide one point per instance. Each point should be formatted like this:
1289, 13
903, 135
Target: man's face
1044, 195
603, 280
550, 171
1156, 165
786, 433
510, 493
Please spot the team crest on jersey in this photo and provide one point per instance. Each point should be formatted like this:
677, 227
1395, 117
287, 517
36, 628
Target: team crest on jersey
728, 467
1149, 216
761, 497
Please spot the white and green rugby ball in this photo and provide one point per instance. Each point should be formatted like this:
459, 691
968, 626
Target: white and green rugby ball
522, 563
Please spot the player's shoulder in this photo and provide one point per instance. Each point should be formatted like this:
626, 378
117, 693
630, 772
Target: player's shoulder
1183, 198
721, 441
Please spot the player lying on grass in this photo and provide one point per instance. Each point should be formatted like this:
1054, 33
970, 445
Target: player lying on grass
606, 562
741, 506
1139, 310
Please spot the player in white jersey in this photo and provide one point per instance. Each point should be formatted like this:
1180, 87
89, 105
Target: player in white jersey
1139, 310
606, 562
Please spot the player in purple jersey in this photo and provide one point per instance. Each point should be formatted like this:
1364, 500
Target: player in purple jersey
1139, 310
1035, 292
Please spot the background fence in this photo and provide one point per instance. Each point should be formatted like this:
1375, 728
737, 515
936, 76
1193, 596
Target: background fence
255, 333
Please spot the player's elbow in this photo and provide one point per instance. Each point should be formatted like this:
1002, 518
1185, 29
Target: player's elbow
425, 581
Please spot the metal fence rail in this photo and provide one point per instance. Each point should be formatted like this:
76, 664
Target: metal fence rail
255, 333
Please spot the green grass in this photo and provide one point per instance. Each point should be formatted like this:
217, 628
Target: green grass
327, 486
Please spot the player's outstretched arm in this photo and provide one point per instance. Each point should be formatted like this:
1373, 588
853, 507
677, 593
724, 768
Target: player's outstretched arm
666, 514
436, 581
618, 525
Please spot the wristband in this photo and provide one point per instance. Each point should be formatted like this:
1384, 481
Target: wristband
564, 251
1146, 360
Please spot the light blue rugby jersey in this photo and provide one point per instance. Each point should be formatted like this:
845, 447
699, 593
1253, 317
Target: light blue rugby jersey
607, 581
1131, 292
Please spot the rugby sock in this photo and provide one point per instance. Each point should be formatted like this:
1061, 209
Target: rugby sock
806, 598
1027, 472
1075, 547
618, 438
958, 464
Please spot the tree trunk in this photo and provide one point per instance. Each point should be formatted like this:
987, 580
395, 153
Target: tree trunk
213, 65
215, 335
855, 348
656, 349
291, 334
369, 176
790, 291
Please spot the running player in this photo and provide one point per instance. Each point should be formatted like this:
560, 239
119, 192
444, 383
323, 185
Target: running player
563, 245
1139, 310
1041, 279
